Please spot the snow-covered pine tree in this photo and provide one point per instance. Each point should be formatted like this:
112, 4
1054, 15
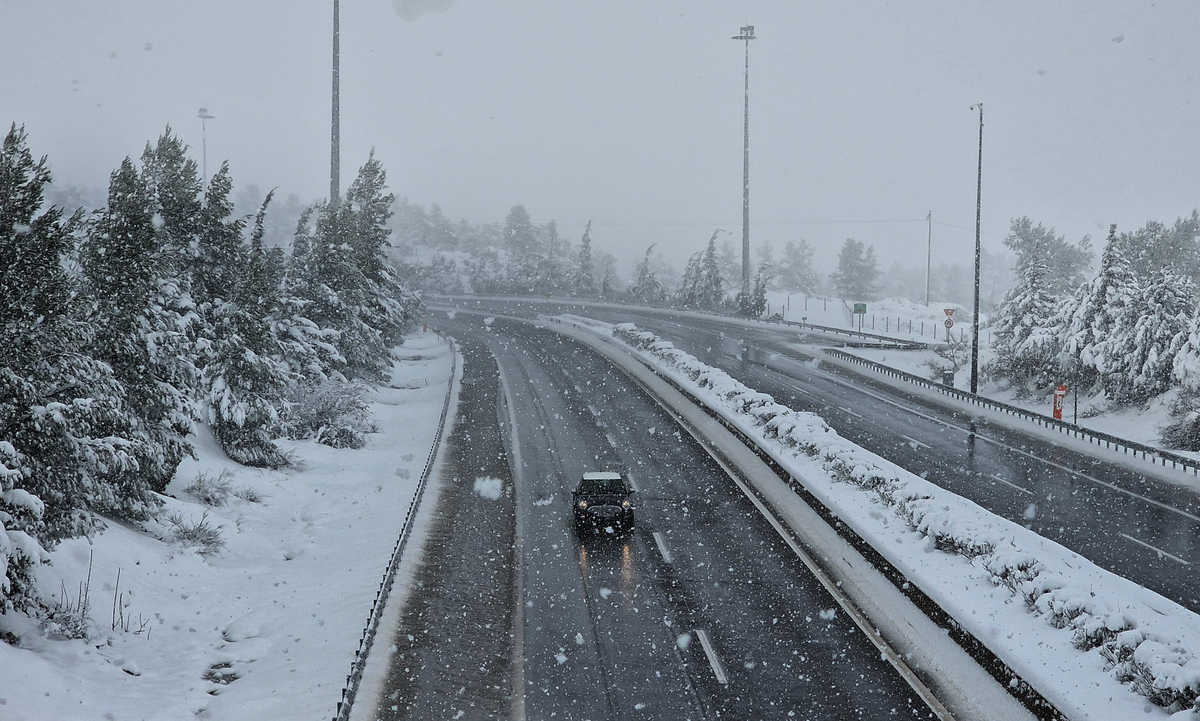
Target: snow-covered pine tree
796, 273
390, 308
689, 286
1183, 431
1024, 338
245, 381
857, 271
585, 276
308, 351
1100, 334
711, 293
646, 287
174, 188
1161, 317
59, 409
138, 332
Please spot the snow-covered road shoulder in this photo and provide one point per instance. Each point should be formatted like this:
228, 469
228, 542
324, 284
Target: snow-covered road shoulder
1095, 645
264, 624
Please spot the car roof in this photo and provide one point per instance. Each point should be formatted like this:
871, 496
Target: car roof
601, 476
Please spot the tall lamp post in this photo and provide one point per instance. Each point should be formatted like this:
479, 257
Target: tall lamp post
335, 127
204, 118
747, 34
978, 207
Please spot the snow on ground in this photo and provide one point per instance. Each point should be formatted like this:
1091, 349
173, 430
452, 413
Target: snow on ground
264, 628
1094, 644
895, 317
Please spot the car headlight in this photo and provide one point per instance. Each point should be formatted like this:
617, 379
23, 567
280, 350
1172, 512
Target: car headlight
583, 504
625, 504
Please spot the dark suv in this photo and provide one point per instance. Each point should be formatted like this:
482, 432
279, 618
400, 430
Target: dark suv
603, 501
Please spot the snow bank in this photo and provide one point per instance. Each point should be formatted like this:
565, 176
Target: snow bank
1120, 632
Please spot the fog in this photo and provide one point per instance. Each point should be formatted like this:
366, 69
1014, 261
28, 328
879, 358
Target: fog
630, 113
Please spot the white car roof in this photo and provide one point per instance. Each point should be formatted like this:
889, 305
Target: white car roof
601, 476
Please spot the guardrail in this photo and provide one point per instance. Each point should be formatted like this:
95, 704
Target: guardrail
1149, 453
350, 689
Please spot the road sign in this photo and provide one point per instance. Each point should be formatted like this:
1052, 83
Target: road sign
860, 308
1060, 395
949, 323
949, 313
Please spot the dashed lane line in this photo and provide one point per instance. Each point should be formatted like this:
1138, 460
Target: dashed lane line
1010, 483
915, 441
713, 660
1157, 550
662, 547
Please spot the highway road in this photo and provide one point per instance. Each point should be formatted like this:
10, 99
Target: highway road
1131, 523
702, 612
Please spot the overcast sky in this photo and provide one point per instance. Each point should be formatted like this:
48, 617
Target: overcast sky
629, 112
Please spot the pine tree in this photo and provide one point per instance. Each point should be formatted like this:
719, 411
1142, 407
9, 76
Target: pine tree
245, 381
1162, 314
1024, 337
646, 287
1065, 263
687, 293
60, 410
857, 272
138, 331
1100, 328
796, 273
1183, 431
174, 188
711, 293
585, 277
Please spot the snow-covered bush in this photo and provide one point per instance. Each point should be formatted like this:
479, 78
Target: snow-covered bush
335, 414
200, 534
212, 490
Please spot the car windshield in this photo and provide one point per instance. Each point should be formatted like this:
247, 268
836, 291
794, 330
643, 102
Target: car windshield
601, 485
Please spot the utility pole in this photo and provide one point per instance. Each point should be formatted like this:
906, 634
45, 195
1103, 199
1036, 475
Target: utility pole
928, 254
335, 131
746, 36
204, 118
978, 208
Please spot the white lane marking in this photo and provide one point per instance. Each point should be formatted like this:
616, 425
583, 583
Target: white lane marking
914, 440
718, 669
662, 547
856, 415
1157, 550
993, 441
632, 483
1010, 483
593, 410
612, 440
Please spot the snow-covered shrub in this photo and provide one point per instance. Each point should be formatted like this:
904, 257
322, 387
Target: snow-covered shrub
201, 534
335, 414
248, 493
212, 490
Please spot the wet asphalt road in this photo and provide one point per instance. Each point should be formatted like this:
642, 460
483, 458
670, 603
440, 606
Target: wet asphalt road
1135, 525
452, 651
646, 626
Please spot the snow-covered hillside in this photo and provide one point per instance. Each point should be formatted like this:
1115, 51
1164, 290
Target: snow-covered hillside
261, 618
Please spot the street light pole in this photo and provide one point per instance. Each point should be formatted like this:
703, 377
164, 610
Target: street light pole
335, 129
204, 118
978, 207
928, 254
747, 34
